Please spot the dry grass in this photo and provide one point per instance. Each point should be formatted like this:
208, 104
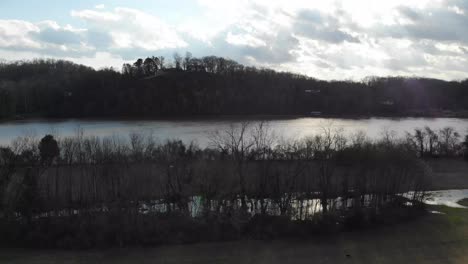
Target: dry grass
463, 202
449, 173
434, 238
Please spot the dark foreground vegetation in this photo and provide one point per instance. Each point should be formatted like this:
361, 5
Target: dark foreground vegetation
85, 192
188, 86
430, 239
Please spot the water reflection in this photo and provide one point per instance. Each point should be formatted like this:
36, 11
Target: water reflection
448, 198
298, 209
303, 208
198, 130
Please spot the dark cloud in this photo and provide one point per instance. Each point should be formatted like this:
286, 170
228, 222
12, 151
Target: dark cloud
323, 64
409, 13
58, 36
315, 25
462, 4
309, 24
99, 39
439, 24
402, 63
311, 16
53, 51
328, 35
276, 51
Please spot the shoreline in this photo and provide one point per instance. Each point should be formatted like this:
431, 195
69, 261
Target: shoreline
259, 117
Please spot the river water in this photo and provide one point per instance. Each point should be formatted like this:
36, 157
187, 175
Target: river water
199, 130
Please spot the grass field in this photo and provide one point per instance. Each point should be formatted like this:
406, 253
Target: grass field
434, 238
448, 173
463, 202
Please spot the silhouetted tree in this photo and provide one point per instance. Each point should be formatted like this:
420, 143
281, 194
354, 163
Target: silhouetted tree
465, 148
139, 70
177, 61
162, 61
449, 141
48, 149
150, 66
432, 141
187, 61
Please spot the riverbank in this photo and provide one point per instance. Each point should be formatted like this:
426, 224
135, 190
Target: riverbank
433, 238
237, 117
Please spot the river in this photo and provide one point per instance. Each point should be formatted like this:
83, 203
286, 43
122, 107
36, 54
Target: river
198, 130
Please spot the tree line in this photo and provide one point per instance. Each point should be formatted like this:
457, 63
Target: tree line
211, 64
89, 191
187, 86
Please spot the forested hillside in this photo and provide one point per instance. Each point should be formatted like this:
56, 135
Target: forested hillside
211, 86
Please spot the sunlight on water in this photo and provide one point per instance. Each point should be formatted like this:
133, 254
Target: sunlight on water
199, 130
448, 198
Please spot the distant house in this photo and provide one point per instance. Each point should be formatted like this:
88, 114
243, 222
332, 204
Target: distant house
315, 113
312, 91
387, 102
162, 72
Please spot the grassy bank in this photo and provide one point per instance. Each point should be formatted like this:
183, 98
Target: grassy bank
448, 173
463, 202
434, 238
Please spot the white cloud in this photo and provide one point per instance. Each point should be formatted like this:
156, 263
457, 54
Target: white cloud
326, 39
15, 34
94, 16
131, 28
46, 37
101, 60
456, 10
244, 40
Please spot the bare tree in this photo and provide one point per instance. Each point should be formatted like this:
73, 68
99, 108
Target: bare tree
449, 141
187, 61
236, 143
177, 61
162, 61
432, 140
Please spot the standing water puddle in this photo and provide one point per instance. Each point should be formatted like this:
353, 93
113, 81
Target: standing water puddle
303, 209
448, 198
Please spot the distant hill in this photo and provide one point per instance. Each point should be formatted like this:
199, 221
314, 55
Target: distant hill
212, 86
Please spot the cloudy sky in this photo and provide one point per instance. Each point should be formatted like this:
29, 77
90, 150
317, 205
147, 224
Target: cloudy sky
342, 39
